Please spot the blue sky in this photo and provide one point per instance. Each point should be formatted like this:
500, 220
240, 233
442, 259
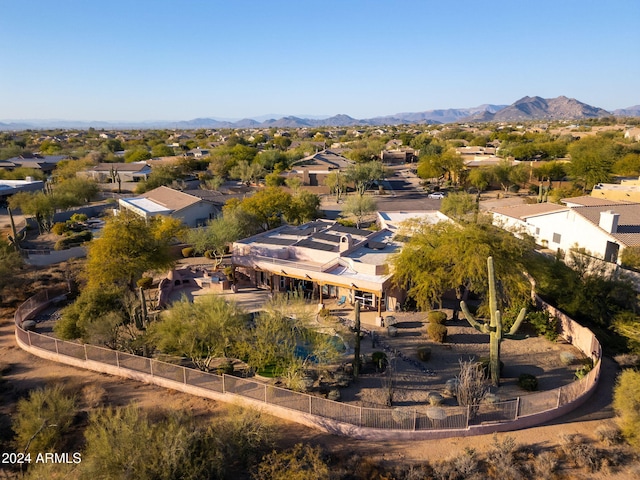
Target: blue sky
141, 60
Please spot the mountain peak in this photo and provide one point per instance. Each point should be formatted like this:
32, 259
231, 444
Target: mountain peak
538, 108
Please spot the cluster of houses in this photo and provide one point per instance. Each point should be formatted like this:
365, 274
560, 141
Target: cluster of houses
327, 260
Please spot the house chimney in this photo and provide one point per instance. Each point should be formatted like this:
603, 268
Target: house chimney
345, 242
609, 221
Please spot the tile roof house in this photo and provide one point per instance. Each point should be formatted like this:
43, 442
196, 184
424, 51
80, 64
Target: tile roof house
44, 163
191, 210
315, 168
603, 229
128, 172
325, 260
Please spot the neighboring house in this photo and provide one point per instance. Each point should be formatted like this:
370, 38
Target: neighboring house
128, 172
602, 228
198, 153
44, 163
399, 156
633, 134
312, 170
475, 156
191, 210
10, 187
626, 190
324, 260
394, 221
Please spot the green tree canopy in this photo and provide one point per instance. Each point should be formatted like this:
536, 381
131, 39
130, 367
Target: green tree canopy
447, 256
458, 205
337, 183
136, 155
39, 205
201, 331
364, 175
304, 207
359, 206
268, 207
247, 173
128, 247
162, 150
592, 160
214, 237
160, 175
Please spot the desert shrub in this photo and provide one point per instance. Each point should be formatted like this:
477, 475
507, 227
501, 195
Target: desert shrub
93, 395
188, 252
544, 324
545, 464
300, 462
59, 228
583, 455
626, 402
380, 360
225, 368
435, 399
436, 316
528, 382
608, 434
145, 282
79, 217
67, 328
491, 399
43, 419
437, 332
209, 254
73, 240
471, 386
424, 353
502, 460
587, 366
464, 466
175, 445
627, 360
568, 358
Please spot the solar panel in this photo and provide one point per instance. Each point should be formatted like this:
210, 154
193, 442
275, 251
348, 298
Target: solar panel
327, 237
351, 230
308, 243
277, 241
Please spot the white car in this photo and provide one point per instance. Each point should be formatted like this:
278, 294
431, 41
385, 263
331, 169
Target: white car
436, 195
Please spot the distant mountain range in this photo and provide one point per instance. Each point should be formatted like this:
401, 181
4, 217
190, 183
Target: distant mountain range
525, 109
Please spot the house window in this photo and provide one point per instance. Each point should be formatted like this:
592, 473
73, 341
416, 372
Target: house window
537, 230
283, 283
556, 238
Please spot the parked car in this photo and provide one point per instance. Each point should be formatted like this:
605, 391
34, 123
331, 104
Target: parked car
436, 195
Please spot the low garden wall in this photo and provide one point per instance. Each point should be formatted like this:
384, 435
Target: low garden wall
333, 417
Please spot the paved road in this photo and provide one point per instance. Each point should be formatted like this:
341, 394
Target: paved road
403, 192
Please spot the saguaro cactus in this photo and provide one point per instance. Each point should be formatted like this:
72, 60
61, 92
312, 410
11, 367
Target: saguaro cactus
13, 237
494, 328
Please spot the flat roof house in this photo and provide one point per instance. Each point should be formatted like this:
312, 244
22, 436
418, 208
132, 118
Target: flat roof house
324, 260
191, 210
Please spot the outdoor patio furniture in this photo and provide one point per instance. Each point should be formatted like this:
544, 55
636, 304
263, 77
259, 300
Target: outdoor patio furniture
342, 300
